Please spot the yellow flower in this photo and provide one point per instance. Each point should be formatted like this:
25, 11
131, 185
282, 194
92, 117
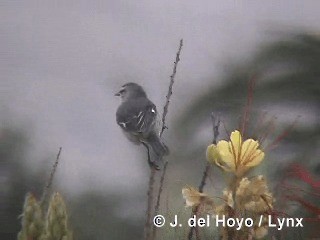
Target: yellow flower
235, 156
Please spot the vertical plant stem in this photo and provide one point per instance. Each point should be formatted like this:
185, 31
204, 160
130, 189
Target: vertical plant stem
50, 180
215, 128
172, 77
147, 226
150, 232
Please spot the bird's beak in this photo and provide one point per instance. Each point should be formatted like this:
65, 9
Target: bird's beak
117, 94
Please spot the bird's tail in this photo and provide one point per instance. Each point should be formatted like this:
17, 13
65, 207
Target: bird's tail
158, 147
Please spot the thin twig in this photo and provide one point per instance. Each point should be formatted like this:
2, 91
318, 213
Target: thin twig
215, 125
166, 106
164, 114
157, 207
147, 226
282, 135
215, 129
50, 180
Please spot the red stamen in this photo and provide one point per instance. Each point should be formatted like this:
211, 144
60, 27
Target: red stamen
248, 106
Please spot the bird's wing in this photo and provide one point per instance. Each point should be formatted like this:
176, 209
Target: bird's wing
139, 117
146, 119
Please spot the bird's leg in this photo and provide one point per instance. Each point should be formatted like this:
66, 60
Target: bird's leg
148, 152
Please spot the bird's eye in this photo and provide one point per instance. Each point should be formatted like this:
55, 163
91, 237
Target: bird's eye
122, 91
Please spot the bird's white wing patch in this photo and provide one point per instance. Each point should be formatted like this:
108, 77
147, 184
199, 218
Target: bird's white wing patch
140, 116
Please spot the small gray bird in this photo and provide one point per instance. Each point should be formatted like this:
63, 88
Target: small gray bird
137, 117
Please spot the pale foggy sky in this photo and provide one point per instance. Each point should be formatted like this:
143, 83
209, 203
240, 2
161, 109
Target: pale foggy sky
62, 62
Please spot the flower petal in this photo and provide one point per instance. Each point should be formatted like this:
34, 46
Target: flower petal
223, 147
256, 159
226, 159
235, 144
212, 153
250, 154
248, 147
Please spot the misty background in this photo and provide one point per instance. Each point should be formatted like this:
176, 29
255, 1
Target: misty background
62, 62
